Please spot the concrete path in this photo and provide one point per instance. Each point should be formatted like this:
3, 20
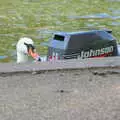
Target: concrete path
62, 90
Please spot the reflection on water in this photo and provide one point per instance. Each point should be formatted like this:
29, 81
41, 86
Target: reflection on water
115, 12
115, 23
114, 0
3, 57
93, 16
98, 16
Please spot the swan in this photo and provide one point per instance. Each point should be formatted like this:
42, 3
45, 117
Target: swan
25, 47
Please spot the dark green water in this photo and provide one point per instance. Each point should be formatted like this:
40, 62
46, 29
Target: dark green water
39, 19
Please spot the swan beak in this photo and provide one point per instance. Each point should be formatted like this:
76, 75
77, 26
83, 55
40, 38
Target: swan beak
34, 54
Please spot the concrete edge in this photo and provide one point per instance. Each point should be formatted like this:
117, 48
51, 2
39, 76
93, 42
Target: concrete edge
13, 68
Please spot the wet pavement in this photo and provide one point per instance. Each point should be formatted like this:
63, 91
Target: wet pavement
62, 90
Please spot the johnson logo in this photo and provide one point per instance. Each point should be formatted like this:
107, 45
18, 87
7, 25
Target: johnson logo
98, 52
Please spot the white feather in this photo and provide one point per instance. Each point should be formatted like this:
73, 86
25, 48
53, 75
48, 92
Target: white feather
22, 53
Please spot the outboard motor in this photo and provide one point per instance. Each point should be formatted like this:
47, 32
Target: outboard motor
86, 44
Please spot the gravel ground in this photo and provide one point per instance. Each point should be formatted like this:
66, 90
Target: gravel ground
86, 94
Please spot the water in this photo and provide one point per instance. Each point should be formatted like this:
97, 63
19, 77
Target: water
40, 19
3, 57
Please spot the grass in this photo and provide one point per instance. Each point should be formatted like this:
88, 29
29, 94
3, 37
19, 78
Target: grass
32, 17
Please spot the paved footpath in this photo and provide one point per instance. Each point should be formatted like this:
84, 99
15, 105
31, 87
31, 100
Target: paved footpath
62, 90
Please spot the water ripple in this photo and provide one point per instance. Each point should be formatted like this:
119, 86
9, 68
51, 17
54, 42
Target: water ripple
95, 16
3, 57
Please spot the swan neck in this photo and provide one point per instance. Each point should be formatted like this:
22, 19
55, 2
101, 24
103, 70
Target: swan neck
21, 58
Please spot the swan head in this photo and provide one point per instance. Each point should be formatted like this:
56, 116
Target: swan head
25, 47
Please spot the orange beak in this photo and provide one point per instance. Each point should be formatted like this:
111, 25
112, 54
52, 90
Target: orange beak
33, 54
